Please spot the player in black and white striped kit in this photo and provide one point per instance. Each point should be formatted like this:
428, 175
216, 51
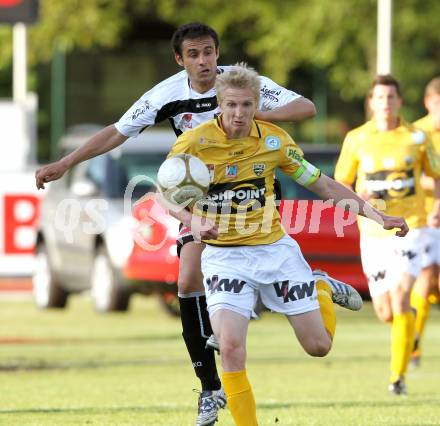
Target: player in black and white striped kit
175, 99
187, 99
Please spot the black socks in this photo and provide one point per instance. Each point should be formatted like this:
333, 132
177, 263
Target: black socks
196, 330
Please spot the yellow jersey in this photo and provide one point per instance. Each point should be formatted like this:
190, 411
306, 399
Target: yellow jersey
427, 125
388, 166
241, 195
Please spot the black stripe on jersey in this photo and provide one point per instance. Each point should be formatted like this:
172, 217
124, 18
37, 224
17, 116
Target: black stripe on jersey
174, 108
177, 131
258, 128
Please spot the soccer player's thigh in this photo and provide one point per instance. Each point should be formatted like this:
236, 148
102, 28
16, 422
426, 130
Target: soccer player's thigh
190, 274
425, 281
407, 264
297, 300
229, 325
382, 306
230, 329
311, 333
376, 253
293, 293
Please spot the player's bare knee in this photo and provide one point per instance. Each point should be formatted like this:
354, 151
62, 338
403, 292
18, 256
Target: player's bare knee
318, 352
385, 316
318, 347
384, 313
190, 283
233, 353
400, 300
322, 348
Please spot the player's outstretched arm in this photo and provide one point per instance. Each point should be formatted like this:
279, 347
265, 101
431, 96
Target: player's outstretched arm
103, 141
329, 189
297, 110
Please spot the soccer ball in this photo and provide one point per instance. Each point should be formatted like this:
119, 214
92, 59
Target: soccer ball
183, 178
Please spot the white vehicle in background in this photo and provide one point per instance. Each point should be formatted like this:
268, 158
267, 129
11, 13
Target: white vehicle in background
86, 242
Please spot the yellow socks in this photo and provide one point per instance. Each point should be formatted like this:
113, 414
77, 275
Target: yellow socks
411, 332
421, 306
402, 341
241, 400
326, 306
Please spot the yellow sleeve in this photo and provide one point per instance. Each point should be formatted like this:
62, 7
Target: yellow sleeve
293, 164
348, 162
431, 159
183, 145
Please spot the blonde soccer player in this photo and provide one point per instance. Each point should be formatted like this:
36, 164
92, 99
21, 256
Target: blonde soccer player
247, 251
187, 99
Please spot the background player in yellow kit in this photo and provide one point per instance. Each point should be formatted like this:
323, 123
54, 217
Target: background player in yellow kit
430, 124
247, 251
385, 158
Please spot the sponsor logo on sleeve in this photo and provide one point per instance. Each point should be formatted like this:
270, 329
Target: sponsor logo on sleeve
294, 155
270, 94
140, 110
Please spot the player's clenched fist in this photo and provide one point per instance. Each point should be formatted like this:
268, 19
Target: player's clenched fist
391, 222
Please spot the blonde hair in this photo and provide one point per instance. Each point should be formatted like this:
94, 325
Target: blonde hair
240, 76
433, 87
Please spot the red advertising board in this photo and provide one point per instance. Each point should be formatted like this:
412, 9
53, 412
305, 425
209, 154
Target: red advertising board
19, 212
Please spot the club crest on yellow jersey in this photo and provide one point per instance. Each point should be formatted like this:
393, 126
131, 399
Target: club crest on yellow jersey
259, 168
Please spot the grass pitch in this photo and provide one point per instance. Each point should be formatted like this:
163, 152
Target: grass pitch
76, 367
